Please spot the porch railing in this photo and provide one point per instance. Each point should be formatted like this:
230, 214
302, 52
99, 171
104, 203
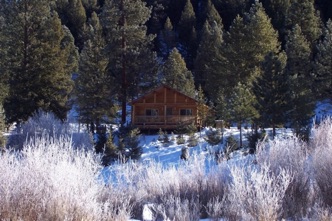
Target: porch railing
162, 120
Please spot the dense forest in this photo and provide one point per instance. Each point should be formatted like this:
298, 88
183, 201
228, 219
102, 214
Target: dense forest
265, 61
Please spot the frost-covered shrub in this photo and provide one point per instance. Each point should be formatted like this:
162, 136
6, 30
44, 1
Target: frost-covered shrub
291, 155
51, 180
43, 123
256, 193
322, 160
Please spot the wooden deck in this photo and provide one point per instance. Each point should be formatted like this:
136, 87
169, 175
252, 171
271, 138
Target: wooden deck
168, 122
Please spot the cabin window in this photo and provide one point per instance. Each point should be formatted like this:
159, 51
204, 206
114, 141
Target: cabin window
169, 111
151, 112
186, 112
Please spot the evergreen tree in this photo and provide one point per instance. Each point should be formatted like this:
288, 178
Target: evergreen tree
323, 64
202, 107
299, 69
94, 86
212, 15
73, 15
230, 9
277, 11
131, 60
41, 57
271, 90
223, 107
176, 74
167, 39
187, 34
207, 54
187, 22
248, 41
242, 103
303, 13
158, 15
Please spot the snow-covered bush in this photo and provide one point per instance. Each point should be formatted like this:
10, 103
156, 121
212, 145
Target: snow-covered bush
51, 180
322, 160
43, 123
256, 193
291, 155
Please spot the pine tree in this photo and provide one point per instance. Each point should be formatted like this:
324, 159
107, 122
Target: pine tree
323, 64
209, 49
176, 74
94, 86
230, 9
277, 11
303, 13
299, 69
131, 60
242, 103
202, 108
167, 39
248, 41
187, 33
271, 90
42, 57
212, 15
73, 15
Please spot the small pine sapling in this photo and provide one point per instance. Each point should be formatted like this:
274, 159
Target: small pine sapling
192, 141
231, 145
213, 137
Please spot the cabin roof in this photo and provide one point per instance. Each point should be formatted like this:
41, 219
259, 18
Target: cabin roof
160, 88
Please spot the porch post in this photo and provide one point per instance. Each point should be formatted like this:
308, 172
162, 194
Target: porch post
165, 110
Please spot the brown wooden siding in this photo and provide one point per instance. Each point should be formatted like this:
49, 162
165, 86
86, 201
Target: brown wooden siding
161, 99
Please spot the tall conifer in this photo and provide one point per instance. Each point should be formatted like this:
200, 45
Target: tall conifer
41, 57
323, 64
271, 90
176, 74
299, 69
248, 41
131, 60
94, 91
304, 14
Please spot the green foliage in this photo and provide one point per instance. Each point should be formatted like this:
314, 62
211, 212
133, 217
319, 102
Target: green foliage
271, 90
253, 138
41, 60
94, 85
242, 106
167, 39
192, 140
129, 140
249, 39
202, 108
231, 145
180, 140
187, 22
176, 74
207, 68
299, 70
129, 48
213, 137
183, 128
111, 152
304, 14
323, 64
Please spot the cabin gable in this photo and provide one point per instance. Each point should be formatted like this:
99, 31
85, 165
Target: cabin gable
164, 108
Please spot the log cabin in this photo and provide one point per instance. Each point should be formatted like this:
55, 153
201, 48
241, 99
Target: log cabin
165, 108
